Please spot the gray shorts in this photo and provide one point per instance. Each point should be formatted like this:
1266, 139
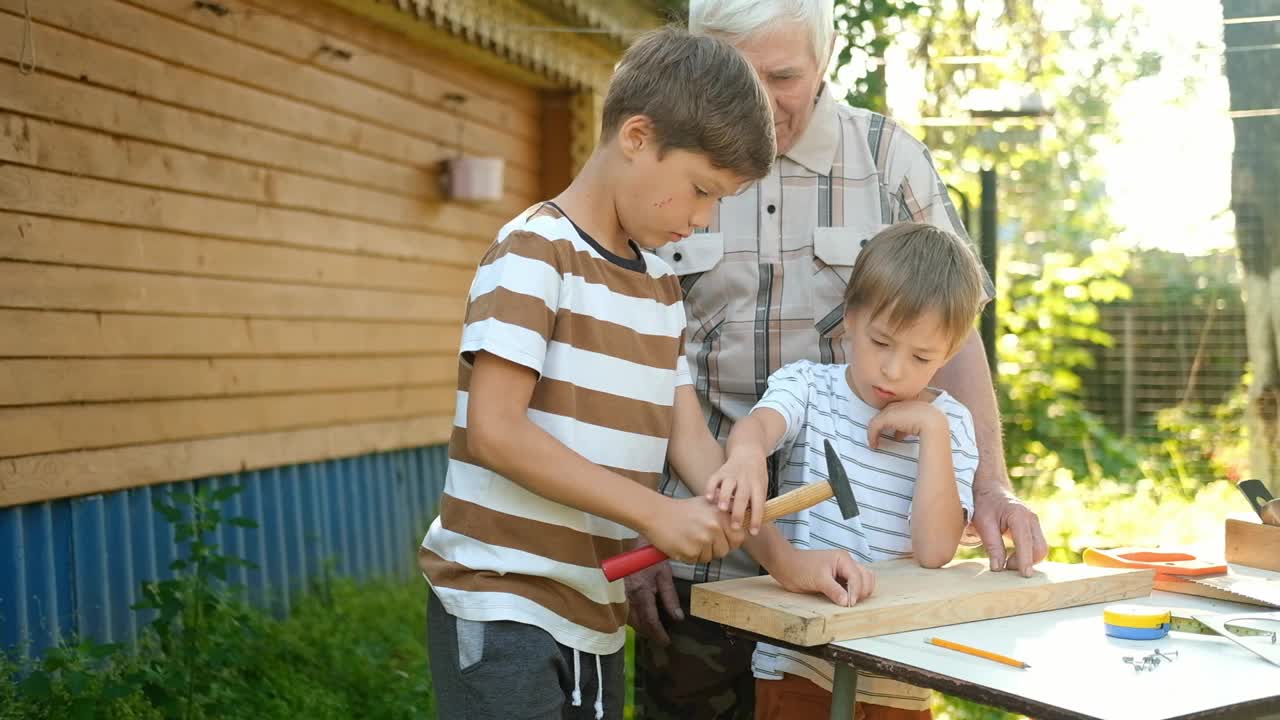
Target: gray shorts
500, 670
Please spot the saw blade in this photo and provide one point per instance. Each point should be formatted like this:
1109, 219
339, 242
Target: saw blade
1232, 588
1254, 591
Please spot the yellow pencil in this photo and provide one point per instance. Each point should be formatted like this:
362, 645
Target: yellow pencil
977, 652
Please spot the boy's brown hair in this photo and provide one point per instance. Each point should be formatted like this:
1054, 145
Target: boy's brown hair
700, 94
910, 269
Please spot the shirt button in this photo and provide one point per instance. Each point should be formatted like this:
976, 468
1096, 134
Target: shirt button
861, 244
677, 257
772, 209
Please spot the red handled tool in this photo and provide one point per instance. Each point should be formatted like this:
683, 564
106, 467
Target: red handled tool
837, 486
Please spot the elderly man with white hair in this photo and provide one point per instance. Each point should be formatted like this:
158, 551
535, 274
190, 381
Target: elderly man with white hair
764, 287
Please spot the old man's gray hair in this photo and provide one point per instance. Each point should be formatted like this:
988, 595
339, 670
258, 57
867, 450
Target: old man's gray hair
739, 19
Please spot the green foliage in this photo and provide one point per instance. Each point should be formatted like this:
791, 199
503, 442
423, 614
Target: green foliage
866, 28
201, 624
1148, 513
1057, 262
987, 56
78, 681
359, 652
1048, 315
343, 653
1207, 443
950, 708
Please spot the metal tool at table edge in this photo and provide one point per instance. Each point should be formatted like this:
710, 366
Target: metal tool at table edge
1261, 500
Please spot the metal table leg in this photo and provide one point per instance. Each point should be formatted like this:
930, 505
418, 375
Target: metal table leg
843, 692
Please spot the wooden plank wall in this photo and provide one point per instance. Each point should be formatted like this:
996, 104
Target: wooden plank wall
222, 242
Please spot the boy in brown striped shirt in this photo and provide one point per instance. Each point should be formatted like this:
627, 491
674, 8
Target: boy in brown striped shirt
573, 391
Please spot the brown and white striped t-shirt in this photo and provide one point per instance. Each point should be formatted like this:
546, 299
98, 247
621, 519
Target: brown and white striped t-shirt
605, 334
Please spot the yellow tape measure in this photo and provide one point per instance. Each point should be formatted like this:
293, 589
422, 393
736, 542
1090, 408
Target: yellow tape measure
1136, 616
1141, 622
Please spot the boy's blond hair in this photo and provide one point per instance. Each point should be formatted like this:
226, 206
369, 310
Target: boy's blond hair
911, 269
700, 94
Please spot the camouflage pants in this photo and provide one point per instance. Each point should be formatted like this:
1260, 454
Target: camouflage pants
704, 674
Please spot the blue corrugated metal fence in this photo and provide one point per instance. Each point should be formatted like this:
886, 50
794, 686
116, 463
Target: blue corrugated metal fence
74, 567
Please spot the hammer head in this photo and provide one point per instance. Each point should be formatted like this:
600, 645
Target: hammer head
840, 487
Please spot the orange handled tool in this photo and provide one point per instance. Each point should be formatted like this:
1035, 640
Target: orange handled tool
1168, 565
837, 486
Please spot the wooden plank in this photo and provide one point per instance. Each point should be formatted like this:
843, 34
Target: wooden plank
1253, 544
68, 149
306, 126
447, 44
1264, 592
68, 242
193, 68
45, 333
80, 103
339, 23
909, 597
81, 60
60, 428
47, 477
302, 31
47, 381
201, 67
59, 287
32, 191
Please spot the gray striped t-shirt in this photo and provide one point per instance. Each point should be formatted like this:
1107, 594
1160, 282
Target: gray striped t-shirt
817, 404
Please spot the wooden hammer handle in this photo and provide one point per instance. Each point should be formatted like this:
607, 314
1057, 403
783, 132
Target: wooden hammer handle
620, 566
802, 498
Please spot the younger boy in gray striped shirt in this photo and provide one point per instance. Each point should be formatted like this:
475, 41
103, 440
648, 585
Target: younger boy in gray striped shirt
909, 448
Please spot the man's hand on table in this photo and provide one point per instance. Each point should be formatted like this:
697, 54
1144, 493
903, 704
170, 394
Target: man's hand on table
998, 513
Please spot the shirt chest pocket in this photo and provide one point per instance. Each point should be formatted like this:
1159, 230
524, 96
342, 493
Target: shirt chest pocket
699, 262
835, 249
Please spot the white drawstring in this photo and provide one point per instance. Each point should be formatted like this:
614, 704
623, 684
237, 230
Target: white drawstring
577, 684
599, 690
577, 680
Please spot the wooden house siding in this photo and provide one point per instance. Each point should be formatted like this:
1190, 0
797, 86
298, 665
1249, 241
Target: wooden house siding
223, 244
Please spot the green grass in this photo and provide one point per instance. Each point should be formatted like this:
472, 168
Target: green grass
352, 652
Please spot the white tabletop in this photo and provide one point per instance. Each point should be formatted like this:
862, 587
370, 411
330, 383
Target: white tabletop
1078, 670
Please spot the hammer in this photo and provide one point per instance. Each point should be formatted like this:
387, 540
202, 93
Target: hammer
802, 498
1267, 507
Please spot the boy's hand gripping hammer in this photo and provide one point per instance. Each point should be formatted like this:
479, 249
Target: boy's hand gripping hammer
837, 486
